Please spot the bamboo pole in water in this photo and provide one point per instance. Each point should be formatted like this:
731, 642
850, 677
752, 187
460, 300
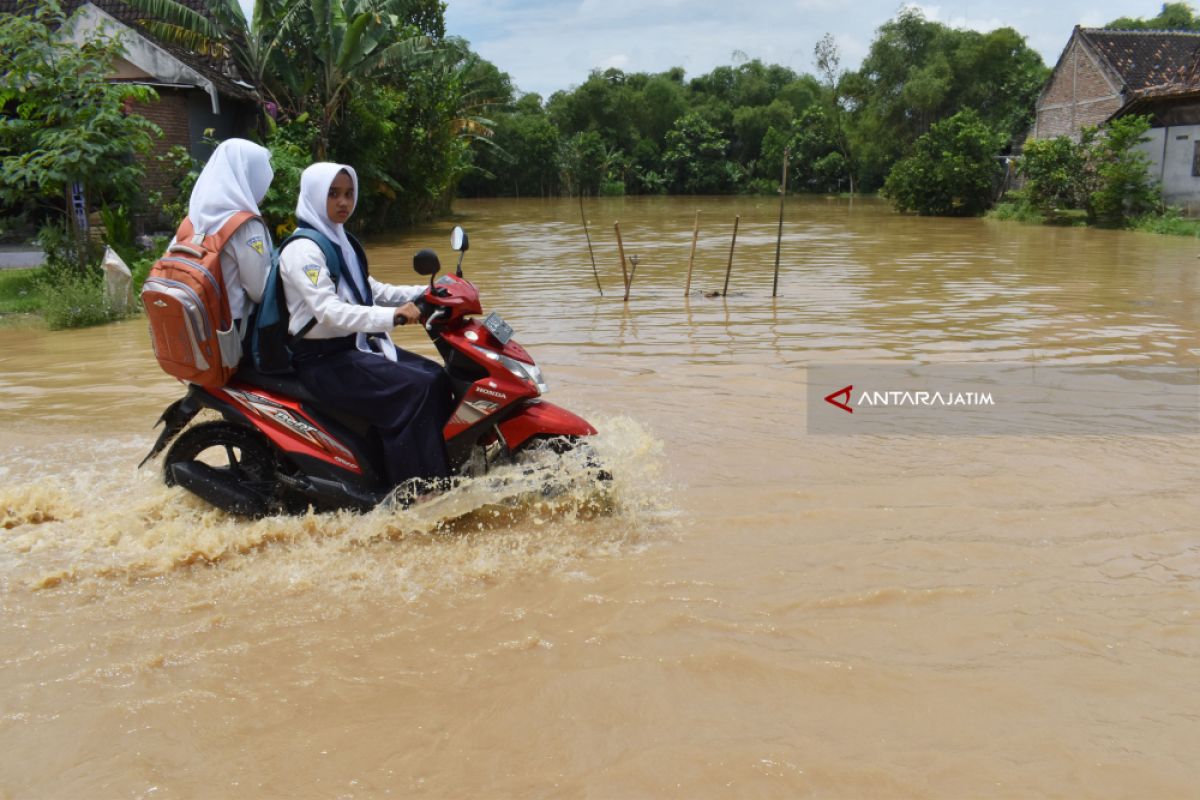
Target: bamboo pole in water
779, 236
732, 243
595, 272
692, 258
621, 252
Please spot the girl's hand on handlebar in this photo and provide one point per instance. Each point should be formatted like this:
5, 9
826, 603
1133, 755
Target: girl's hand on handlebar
405, 314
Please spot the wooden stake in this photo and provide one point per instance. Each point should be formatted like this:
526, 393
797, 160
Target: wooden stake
779, 236
732, 242
589, 241
621, 252
692, 258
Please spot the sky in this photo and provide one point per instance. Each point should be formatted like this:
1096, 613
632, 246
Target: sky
548, 45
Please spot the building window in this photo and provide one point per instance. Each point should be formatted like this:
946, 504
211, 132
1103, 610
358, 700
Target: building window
1196, 159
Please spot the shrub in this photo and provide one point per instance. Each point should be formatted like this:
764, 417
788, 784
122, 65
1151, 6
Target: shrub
612, 188
1055, 172
1122, 188
952, 171
76, 301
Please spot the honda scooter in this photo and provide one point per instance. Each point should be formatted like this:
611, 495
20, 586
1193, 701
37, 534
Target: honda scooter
280, 450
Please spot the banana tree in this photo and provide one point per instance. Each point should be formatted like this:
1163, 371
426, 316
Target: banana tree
353, 40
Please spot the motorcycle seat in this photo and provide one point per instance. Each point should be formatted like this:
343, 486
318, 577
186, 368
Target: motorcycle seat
290, 386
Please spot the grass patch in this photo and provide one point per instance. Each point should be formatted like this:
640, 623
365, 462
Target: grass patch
1170, 223
63, 298
20, 291
1016, 212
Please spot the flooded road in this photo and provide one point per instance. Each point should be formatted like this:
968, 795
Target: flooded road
753, 610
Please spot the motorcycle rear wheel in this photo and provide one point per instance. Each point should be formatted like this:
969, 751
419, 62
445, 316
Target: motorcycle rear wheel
228, 465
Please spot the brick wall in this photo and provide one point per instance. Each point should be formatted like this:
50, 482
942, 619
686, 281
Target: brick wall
1079, 94
170, 113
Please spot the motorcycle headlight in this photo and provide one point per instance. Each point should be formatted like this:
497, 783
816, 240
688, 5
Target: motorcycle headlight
530, 373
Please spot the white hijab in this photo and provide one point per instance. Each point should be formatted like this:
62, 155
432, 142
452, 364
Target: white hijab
236, 178
312, 209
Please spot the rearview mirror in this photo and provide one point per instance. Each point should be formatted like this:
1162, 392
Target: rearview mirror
458, 239
425, 262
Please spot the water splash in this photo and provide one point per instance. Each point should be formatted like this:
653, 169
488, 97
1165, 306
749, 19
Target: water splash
63, 522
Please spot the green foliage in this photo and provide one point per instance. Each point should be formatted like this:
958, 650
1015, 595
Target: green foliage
1122, 188
612, 189
1016, 208
696, 160
1055, 172
182, 171
77, 301
1173, 17
20, 291
65, 253
1104, 174
118, 231
919, 71
952, 171
1170, 222
372, 83
68, 123
290, 147
410, 136
845, 130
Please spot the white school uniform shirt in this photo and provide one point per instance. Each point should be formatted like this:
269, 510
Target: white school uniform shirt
245, 261
311, 294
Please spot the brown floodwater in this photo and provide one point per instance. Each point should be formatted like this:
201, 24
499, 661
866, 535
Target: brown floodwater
750, 609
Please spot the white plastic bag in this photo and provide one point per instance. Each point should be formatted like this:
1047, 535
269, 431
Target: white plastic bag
118, 281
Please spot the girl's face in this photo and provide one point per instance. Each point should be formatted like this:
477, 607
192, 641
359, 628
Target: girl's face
340, 202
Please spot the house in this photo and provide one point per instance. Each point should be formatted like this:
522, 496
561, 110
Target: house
195, 93
1103, 74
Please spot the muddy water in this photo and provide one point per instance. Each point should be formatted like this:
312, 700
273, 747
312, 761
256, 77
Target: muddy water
750, 610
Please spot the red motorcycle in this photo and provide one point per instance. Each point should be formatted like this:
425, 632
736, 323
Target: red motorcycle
279, 450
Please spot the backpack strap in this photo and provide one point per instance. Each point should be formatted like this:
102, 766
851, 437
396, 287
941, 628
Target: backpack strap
333, 262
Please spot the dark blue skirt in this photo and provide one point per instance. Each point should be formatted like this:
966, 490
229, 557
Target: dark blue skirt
407, 401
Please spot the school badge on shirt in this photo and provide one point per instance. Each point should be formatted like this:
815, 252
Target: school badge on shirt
257, 244
313, 274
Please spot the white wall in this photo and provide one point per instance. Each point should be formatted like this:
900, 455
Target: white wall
1171, 152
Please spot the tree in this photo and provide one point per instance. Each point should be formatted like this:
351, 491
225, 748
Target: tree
817, 163
68, 124
303, 55
1173, 17
919, 71
696, 158
828, 62
952, 171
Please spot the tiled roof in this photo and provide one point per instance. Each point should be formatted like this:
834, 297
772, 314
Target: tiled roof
221, 72
1142, 59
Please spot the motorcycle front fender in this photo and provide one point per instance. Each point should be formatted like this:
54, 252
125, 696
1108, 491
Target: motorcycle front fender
542, 419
